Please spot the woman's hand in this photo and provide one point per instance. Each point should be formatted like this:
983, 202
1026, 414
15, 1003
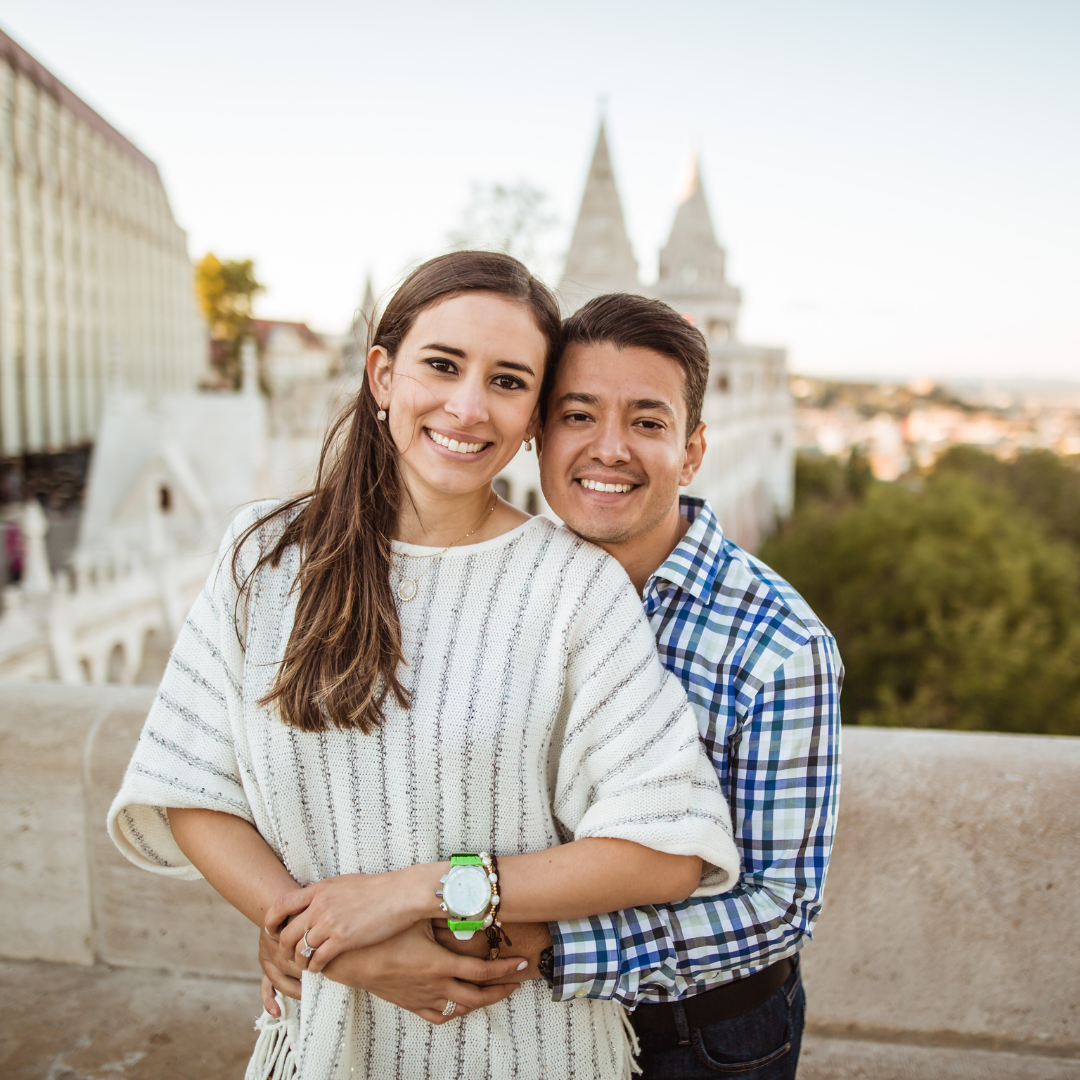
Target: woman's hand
353, 911
415, 973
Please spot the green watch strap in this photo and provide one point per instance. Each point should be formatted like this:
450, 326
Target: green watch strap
465, 860
465, 924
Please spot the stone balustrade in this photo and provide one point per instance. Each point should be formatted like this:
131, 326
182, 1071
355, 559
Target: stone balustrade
952, 915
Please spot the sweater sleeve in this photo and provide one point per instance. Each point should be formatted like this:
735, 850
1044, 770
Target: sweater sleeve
186, 755
631, 765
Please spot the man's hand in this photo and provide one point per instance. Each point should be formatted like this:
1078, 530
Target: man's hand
530, 940
279, 972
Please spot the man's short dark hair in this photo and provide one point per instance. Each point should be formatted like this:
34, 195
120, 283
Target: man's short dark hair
627, 321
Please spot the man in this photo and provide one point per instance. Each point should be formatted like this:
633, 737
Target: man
714, 981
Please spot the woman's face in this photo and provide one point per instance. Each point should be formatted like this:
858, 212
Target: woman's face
462, 392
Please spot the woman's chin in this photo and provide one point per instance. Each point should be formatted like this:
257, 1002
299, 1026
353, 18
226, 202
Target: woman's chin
451, 478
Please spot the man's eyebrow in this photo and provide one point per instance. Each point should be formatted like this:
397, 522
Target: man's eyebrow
436, 347
581, 399
653, 405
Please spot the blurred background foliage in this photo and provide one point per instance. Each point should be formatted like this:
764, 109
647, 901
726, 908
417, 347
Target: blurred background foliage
954, 597
226, 292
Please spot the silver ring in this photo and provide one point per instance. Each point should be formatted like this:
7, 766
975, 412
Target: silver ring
307, 950
450, 1007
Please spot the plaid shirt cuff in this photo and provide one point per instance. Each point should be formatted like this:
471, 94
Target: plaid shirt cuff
587, 958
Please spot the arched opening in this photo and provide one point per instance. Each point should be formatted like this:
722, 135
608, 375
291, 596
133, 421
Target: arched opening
165, 498
87, 671
117, 661
155, 656
532, 502
502, 487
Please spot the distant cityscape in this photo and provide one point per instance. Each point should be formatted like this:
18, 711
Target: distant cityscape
904, 427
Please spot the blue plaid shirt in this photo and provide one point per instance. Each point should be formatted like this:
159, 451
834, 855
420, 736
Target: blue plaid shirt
763, 675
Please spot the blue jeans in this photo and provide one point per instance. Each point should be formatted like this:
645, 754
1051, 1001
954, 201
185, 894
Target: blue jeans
762, 1044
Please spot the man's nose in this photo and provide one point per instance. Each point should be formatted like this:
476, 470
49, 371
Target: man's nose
609, 445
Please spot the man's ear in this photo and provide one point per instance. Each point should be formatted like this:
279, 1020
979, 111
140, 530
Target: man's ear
695, 451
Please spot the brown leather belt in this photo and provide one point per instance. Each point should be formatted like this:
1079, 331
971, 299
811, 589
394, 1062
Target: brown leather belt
730, 999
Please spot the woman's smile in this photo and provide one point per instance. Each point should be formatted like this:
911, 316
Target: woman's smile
459, 446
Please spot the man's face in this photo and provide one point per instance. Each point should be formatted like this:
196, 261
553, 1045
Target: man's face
617, 417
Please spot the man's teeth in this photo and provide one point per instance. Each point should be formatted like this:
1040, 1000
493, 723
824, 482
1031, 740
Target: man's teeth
592, 485
454, 445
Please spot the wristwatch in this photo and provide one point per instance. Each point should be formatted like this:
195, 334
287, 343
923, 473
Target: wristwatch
546, 966
468, 894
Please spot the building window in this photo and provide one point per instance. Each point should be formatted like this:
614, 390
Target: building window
502, 488
164, 498
532, 502
723, 383
718, 330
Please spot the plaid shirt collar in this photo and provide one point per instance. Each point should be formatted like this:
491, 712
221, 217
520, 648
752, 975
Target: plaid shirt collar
696, 560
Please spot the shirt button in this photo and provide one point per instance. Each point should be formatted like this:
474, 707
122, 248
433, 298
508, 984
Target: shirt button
580, 993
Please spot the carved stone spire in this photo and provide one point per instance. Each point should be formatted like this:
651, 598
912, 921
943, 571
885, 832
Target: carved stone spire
692, 266
601, 258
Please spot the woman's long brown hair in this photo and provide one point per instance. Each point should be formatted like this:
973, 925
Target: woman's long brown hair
344, 651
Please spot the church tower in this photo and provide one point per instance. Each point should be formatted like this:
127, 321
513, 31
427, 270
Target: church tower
600, 259
692, 276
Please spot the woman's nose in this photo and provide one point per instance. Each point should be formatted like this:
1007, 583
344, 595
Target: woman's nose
467, 403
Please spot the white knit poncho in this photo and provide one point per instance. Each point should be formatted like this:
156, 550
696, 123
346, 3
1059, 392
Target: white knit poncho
540, 713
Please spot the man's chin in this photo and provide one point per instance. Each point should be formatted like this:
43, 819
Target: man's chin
599, 532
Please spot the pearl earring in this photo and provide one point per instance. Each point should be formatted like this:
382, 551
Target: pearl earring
381, 414
528, 445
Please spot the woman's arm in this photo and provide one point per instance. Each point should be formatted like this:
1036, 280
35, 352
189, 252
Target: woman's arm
582, 878
233, 857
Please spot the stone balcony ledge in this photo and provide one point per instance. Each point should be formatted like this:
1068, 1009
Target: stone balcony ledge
947, 948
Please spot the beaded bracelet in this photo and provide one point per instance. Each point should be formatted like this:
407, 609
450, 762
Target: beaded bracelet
493, 928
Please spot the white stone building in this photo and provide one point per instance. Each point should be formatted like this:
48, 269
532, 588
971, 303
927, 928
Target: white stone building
748, 471
95, 281
168, 473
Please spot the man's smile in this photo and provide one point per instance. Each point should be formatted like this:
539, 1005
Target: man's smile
600, 485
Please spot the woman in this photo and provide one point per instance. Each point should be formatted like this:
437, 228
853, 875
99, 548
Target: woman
397, 674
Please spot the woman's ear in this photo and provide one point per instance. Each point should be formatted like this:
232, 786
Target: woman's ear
378, 368
533, 429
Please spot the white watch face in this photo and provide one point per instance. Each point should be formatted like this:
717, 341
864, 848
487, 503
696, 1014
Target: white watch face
467, 891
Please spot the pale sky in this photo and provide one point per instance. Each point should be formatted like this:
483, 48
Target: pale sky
896, 183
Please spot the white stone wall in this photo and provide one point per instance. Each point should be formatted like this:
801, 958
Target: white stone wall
748, 471
95, 281
952, 907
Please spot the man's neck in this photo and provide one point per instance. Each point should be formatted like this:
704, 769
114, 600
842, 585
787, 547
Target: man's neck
645, 554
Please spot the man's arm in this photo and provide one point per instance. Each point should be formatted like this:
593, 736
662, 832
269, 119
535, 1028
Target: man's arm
782, 782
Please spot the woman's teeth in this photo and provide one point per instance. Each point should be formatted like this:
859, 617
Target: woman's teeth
454, 445
592, 485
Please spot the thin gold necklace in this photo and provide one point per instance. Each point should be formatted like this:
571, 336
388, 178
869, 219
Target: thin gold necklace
408, 587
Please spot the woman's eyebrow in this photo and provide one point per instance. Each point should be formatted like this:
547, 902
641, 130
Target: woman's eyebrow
436, 347
516, 365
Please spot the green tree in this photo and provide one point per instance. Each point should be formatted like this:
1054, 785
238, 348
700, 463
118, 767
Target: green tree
952, 606
1041, 482
226, 291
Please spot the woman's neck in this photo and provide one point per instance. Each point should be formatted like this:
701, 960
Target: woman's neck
435, 519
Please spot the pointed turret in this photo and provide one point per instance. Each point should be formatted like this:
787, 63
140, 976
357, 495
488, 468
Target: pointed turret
601, 258
367, 305
692, 266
